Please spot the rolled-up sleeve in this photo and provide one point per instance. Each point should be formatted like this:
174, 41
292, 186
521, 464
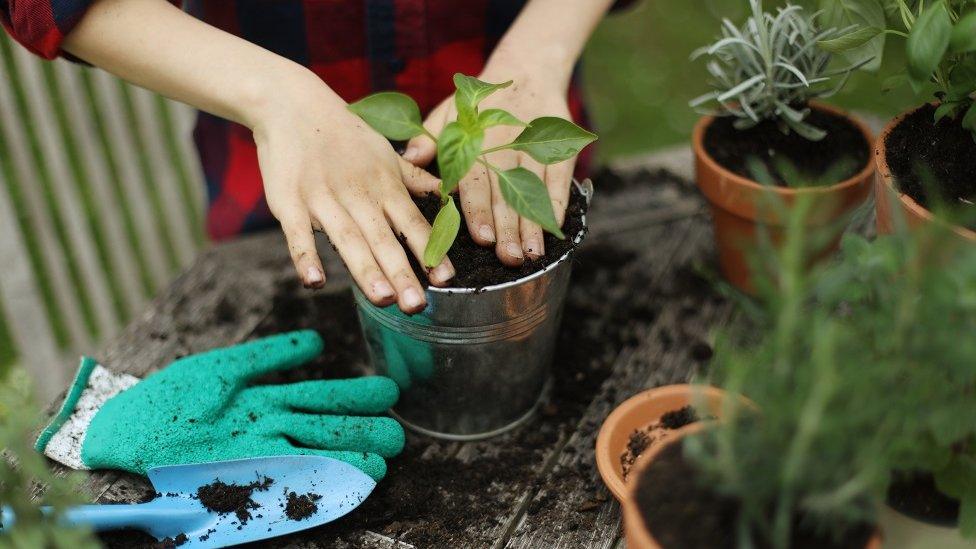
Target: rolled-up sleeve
41, 25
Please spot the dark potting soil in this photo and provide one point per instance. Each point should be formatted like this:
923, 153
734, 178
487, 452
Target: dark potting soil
732, 148
133, 539
477, 266
300, 507
687, 515
914, 494
223, 498
641, 439
933, 162
677, 419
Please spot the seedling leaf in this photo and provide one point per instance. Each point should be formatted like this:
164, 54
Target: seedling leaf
928, 41
963, 38
442, 234
470, 92
457, 149
498, 117
394, 115
552, 139
527, 195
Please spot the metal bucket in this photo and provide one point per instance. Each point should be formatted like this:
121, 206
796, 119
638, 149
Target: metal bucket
475, 362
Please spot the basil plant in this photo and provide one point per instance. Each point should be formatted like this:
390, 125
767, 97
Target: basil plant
548, 140
940, 46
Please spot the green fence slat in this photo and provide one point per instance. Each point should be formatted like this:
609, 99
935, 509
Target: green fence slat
8, 353
186, 181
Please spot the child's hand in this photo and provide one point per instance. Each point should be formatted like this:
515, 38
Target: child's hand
490, 219
325, 169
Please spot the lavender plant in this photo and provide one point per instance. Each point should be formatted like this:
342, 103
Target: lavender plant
771, 67
548, 140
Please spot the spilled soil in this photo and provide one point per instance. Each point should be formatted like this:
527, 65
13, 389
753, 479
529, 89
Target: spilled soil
300, 507
642, 439
223, 498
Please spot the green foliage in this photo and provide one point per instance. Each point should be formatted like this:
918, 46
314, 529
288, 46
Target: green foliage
857, 368
772, 66
547, 139
941, 50
795, 177
22, 469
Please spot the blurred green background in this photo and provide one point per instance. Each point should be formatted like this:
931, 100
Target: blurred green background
639, 79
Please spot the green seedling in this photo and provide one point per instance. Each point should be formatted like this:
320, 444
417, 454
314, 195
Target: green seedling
794, 177
547, 140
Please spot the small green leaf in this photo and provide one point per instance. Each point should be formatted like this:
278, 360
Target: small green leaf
498, 117
946, 109
928, 41
896, 80
552, 139
457, 149
969, 119
394, 115
853, 39
527, 195
844, 14
442, 234
963, 38
471, 92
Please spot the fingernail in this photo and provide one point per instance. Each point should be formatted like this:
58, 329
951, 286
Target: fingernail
533, 248
412, 298
442, 273
314, 275
514, 250
410, 153
486, 233
382, 289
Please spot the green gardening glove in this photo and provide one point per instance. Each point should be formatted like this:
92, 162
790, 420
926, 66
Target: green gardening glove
201, 408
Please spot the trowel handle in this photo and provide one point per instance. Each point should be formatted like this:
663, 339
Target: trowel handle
154, 516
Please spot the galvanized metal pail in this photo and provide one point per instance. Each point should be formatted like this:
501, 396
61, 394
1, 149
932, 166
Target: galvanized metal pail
475, 362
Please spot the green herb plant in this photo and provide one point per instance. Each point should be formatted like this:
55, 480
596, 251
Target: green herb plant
770, 68
23, 471
856, 369
797, 178
940, 45
548, 140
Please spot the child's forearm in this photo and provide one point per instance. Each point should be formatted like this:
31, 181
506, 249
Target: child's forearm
155, 45
549, 36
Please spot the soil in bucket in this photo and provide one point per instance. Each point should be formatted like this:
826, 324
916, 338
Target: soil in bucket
684, 513
842, 154
915, 495
932, 162
477, 266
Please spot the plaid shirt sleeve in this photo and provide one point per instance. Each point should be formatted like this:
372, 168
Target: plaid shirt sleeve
41, 25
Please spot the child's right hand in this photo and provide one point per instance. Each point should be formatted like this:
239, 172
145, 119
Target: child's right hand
325, 169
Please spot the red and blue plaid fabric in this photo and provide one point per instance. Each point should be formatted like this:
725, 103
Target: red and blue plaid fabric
356, 46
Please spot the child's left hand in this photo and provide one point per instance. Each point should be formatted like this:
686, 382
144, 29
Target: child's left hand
490, 219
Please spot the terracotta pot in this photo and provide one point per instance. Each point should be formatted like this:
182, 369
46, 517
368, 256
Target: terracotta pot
895, 208
636, 532
638, 412
908, 533
739, 205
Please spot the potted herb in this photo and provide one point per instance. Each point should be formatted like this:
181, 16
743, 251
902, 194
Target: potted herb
767, 141
475, 362
925, 156
919, 321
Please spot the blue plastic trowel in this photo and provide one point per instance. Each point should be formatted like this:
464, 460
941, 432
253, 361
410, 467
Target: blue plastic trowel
321, 490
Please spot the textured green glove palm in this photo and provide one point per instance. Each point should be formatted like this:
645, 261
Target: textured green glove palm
202, 408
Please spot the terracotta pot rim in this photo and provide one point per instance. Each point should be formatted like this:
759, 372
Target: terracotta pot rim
644, 539
884, 173
698, 141
607, 457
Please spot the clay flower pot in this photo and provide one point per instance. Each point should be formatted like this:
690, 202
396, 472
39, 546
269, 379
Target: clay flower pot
895, 208
636, 531
638, 412
912, 533
739, 205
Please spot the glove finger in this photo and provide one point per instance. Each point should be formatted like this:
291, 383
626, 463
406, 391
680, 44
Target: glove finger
269, 354
360, 396
380, 435
371, 464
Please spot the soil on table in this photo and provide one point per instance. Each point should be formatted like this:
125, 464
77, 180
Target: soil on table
642, 439
844, 146
477, 266
933, 162
300, 507
686, 514
223, 498
914, 494
435, 497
